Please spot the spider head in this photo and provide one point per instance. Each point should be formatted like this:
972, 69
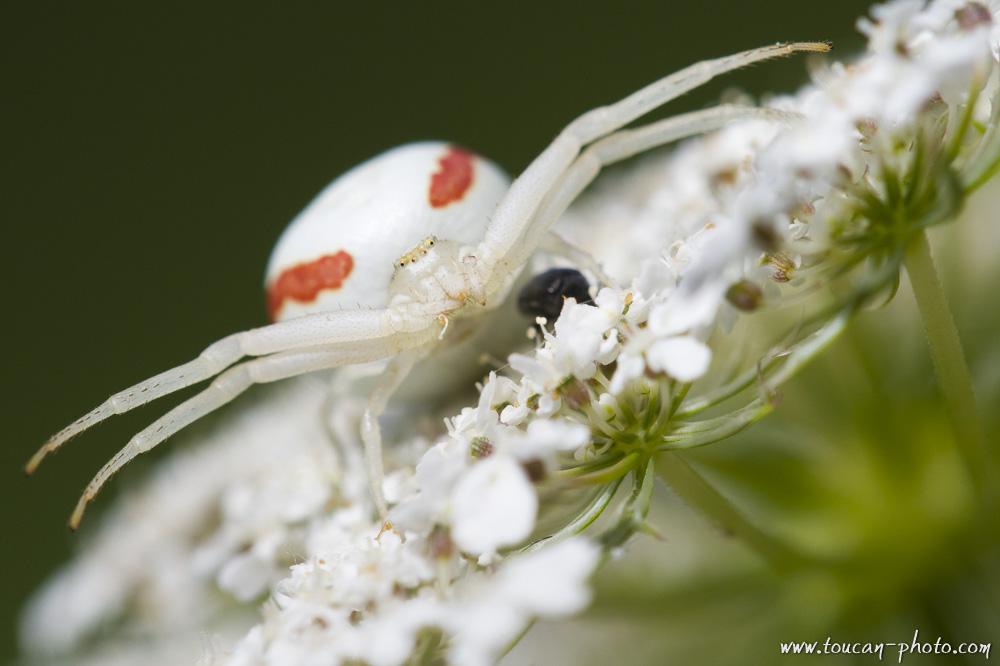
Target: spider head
430, 272
422, 249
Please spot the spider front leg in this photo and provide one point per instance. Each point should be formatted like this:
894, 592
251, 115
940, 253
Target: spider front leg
621, 145
385, 331
517, 209
555, 244
227, 386
371, 433
618, 146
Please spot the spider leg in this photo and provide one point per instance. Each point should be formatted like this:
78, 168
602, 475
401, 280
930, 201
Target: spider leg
342, 415
556, 244
371, 434
623, 144
604, 120
223, 388
384, 331
516, 209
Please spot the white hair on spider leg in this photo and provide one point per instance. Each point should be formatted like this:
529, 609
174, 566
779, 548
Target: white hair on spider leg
463, 280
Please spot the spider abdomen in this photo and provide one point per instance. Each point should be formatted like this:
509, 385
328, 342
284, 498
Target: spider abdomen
338, 253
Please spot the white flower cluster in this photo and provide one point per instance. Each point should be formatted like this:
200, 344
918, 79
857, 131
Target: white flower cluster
381, 600
231, 514
751, 218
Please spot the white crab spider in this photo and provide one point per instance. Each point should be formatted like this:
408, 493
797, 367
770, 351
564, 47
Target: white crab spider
453, 262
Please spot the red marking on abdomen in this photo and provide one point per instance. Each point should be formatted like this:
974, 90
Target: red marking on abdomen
450, 182
303, 283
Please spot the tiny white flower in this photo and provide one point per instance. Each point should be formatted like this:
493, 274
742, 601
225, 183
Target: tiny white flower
437, 473
684, 358
552, 581
630, 366
494, 505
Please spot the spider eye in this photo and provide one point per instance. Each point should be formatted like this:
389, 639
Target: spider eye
543, 296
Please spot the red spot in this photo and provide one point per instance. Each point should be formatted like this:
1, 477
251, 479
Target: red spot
450, 182
303, 282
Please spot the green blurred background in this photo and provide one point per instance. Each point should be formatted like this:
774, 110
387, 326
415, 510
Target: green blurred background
151, 155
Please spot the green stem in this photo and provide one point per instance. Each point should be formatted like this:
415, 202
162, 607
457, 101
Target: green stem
709, 431
700, 494
783, 362
949, 360
984, 162
632, 513
583, 521
602, 475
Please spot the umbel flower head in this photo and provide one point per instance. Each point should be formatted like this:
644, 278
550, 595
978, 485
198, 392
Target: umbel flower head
725, 267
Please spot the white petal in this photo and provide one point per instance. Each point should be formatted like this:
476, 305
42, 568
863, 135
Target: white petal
513, 414
552, 581
683, 358
547, 435
629, 367
246, 576
654, 277
494, 505
686, 310
610, 301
